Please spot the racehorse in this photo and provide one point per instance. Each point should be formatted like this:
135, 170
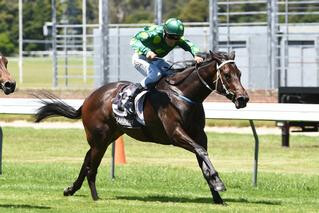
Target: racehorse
173, 112
7, 84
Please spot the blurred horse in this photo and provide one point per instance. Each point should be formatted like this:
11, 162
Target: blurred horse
7, 83
174, 115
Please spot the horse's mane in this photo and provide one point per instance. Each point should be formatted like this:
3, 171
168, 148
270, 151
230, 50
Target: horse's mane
181, 76
208, 58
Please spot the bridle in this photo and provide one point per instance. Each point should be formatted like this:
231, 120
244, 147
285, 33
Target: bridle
218, 76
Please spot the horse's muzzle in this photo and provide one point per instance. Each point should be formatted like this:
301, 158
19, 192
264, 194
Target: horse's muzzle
8, 87
241, 101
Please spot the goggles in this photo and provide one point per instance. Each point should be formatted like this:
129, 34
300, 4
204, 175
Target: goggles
173, 37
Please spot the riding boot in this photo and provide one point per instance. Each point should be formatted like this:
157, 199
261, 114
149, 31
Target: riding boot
129, 105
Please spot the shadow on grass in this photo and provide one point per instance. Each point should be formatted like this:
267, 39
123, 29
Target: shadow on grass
243, 200
164, 199
23, 206
76, 195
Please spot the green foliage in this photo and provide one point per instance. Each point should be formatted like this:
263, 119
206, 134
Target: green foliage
8, 27
195, 11
172, 9
6, 45
131, 11
35, 14
140, 16
73, 11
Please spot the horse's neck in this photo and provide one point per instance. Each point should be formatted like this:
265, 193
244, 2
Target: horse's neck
193, 88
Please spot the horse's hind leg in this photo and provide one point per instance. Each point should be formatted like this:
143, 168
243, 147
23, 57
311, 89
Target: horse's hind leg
79, 181
89, 168
99, 141
96, 157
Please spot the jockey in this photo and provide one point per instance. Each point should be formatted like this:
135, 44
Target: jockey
150, 46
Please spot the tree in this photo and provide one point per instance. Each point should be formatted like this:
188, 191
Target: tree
8, 27
6, 45
35, 14
195, 11
131, 11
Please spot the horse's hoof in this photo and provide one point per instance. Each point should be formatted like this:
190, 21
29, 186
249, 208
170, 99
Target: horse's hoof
95, 198
219, 187
68, 191
219, 202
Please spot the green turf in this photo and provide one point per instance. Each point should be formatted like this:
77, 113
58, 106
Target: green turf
38, 73
39, 163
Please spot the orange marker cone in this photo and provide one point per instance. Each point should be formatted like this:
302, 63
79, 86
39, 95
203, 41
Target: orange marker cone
119, 151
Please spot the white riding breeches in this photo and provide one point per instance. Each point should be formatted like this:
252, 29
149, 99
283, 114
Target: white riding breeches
153, 70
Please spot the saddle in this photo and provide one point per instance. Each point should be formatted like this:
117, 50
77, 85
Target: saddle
122, 114
136, 120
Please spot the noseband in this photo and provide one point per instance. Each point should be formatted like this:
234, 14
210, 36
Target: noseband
218, 76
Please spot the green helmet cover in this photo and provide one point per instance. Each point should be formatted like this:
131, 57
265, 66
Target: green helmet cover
174, 26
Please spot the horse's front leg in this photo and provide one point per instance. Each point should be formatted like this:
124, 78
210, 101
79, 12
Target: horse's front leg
210, 180
202, 140
181, 139
205, 164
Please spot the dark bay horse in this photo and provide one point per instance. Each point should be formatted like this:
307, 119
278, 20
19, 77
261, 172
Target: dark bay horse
7, 84
173, 113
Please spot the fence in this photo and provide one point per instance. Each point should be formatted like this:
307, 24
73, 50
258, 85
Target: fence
272, 49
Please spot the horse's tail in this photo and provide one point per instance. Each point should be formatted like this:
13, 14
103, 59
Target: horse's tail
56, 107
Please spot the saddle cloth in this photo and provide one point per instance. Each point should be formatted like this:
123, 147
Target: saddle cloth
121, 114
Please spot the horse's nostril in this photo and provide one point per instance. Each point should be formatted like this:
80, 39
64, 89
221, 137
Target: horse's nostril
243, 99
9, 84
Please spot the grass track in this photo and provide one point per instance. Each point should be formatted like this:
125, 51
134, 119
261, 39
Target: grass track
39, 164
38, 73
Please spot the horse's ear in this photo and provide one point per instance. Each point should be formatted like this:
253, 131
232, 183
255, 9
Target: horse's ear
5, 61
215, 57
232, 55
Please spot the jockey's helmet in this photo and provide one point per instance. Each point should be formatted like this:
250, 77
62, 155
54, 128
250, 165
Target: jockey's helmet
174, 26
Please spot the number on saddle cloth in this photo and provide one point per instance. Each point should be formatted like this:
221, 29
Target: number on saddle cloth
123, 96
121, 112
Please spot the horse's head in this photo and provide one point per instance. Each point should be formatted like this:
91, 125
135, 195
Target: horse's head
7, 83
227, 81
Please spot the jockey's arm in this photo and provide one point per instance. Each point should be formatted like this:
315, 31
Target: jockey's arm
190, 47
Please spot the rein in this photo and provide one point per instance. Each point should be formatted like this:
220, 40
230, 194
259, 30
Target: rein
218, 76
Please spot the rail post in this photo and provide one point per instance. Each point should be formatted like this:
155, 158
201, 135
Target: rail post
285, 134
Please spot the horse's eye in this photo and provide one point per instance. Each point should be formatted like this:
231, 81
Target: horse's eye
227, 77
